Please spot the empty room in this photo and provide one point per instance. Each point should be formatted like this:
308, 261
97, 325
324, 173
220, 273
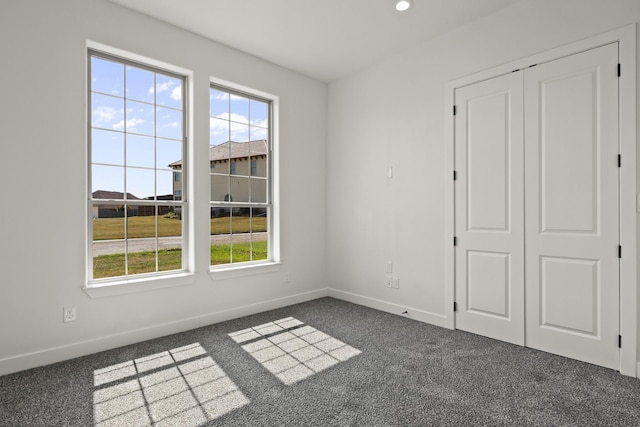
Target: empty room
319, 213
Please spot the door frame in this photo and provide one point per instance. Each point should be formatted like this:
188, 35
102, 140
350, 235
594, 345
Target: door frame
626, 39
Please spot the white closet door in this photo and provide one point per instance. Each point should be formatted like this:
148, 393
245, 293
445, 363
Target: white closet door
571, 190
489, 209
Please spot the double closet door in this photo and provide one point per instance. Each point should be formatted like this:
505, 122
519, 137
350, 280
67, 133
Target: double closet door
537, 207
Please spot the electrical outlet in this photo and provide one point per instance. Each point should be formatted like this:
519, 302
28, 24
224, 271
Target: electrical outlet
389, 282
396, 283
68, 314
287, 278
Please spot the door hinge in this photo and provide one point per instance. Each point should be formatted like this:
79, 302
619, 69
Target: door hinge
455, 241
619, 70
455, 306
455, 175
454, 110
619, 251
619, 341
619, 160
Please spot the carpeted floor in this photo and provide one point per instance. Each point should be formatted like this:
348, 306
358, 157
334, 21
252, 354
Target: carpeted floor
321, 363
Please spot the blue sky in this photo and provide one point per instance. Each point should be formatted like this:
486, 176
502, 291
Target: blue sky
132, 137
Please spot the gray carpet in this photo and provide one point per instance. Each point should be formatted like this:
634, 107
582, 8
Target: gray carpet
321, 363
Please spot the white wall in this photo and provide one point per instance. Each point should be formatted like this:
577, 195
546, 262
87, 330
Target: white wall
43, 152
393, 114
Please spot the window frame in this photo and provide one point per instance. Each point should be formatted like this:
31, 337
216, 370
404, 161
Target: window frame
141, 281
272, 262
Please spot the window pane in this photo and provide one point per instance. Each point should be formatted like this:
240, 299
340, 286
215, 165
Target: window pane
177, 185
168, 91
141, 239
258, 190
240, 188
107, 182
107, 112
140, 151
107, 76
239, 132
259, 236
260, 168
239, 109
164, 184
259, 221
241, 235
220, 252
218, 103
256, 133
168, 154
140, 84
259, 113
140, 118
141, 183
108, 246
219, 188
218, 131
169, 123
107, 147
169, 239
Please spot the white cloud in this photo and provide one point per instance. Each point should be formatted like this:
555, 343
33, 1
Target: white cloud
164, 86
262, 123
131, 124
176, 93
104, 114
227, 126
219, 96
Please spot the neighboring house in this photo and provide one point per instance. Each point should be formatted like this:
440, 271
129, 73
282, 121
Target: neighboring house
238, 172
115, 210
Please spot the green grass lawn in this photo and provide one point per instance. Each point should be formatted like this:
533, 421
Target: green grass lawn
171, 259
144, 226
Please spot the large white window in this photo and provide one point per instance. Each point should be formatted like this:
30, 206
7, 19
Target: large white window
240, 180
137, 146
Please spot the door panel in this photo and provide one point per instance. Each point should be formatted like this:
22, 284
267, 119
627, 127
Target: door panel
489, 209
571, 198
568, 111
488, 283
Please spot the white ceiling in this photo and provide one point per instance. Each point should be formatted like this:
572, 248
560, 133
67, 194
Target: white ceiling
324, 39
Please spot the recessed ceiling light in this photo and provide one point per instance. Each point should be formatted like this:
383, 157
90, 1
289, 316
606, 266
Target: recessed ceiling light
402, 5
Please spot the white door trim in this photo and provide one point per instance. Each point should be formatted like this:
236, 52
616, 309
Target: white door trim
626, 38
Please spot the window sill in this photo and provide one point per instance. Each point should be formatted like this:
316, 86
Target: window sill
133, 285
222, 273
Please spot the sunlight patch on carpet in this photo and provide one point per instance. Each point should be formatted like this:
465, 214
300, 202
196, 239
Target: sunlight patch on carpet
178, 387
291, 350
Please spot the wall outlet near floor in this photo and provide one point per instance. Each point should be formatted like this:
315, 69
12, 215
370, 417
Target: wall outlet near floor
287, 278
389, 282
68, 314
396, 283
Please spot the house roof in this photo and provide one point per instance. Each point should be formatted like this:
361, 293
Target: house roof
234, 150
112, 195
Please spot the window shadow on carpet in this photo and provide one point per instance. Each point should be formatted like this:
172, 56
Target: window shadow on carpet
291, 350
183, 386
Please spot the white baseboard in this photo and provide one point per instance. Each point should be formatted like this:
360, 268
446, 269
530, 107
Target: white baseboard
638, 371
412, 313
83, 348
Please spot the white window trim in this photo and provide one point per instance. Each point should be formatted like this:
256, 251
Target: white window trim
97, 288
